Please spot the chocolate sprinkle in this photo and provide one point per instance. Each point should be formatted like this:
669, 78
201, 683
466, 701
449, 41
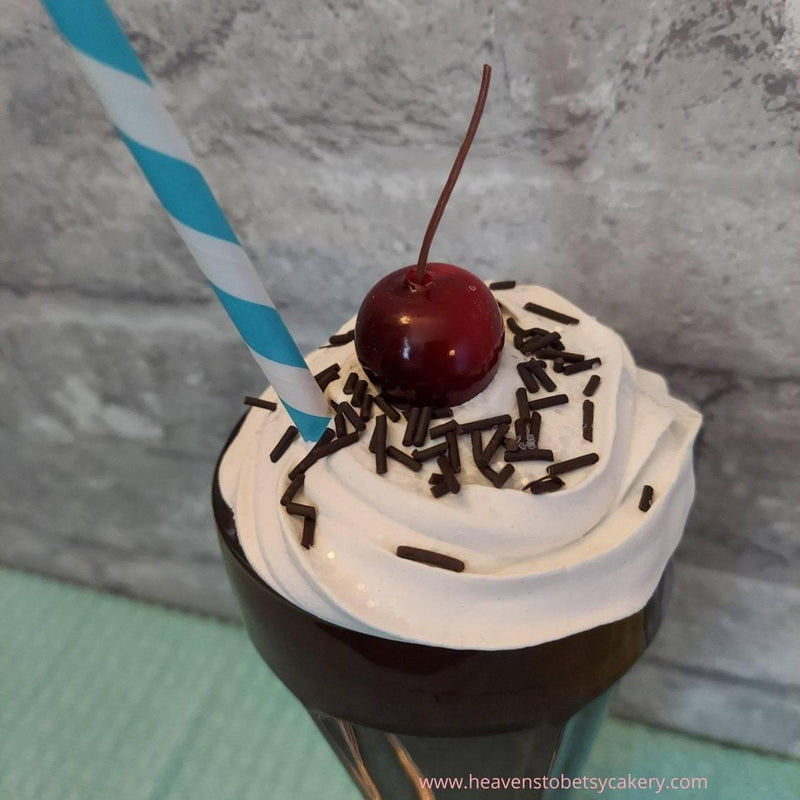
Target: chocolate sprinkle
380, 445
580, 366
350, 383
441, 413
530, 454
327, 376
495, 285
497, 439
588, 420
510, 444
429, 452
591, 385
551, 354
292, 489
334, 445
327, 437
646, 500
436, 477
352, 416
548, 353
301, 510
547, 402
366, 408
505, 473
421, 432
550, 483
534, 428
548, 313
342, 338
538, 332
558, 365
477, 449
307, 539
412, 420
403, 458
452, 451
565, 356
449, 476
521, 429
544, 379
283, 443
572, 464
532, 345
442, 430
430, 558
340, 423
497, 478
269, 405
439, 488
514, 326
312, 455
527, 378
387, 408
522, 404
484, 424
374, 438
359, 391
324, 448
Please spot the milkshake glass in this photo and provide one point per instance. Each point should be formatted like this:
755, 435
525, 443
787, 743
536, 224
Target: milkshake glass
502, 687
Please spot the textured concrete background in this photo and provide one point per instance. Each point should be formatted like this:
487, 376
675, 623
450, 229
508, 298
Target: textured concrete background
640, 156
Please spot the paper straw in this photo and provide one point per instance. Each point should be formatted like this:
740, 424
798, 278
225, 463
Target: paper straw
108, 60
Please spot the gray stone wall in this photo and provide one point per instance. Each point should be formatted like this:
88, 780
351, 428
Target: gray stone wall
639, 156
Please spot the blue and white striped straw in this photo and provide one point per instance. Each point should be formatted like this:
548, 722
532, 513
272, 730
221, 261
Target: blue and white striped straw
105, 55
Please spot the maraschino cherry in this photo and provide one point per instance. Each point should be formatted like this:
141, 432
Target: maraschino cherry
431, 334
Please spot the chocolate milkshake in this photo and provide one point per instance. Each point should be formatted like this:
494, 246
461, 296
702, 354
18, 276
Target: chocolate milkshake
453, 592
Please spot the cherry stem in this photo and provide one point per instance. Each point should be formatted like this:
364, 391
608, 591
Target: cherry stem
455, 171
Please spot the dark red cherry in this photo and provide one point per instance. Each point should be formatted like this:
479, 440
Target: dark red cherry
435, 344
431, 334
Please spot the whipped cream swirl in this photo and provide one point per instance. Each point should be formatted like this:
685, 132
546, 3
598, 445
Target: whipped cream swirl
538, 567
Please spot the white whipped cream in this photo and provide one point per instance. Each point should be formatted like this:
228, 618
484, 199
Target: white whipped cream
538, 567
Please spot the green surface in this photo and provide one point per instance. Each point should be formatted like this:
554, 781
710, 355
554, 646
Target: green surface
101, 697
